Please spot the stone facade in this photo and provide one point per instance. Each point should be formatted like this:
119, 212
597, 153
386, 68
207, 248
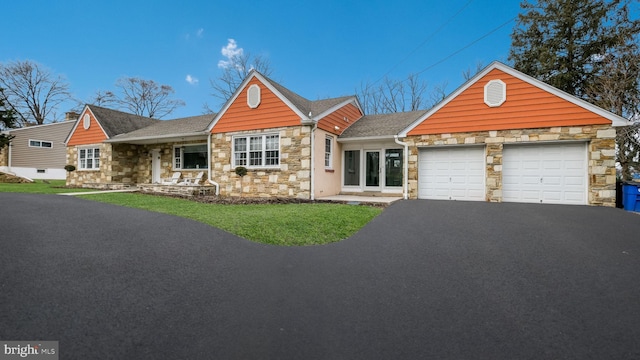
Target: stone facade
291, 179
4, 156
97, 176
125, 164
601, 155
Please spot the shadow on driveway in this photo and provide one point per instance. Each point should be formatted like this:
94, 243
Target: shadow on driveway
425, 279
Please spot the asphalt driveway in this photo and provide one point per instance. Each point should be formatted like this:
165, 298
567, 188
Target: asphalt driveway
426, 279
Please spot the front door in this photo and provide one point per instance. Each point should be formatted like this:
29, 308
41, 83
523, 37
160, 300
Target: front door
155, 166
372, 170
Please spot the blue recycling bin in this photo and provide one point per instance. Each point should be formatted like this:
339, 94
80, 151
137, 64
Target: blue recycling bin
631, 196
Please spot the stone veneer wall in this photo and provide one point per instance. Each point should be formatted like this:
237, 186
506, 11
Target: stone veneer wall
601, 155
98, 176
4, 156
292, 179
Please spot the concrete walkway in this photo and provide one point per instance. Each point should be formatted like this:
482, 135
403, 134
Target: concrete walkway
355, 199
98, 192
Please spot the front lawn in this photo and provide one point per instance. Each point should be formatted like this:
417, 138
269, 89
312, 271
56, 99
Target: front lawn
39, 187
276, 224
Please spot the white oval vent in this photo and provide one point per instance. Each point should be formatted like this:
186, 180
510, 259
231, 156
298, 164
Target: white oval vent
495, 93
86, 121
253, 96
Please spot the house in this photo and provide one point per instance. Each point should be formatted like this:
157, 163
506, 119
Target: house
96, 160
502, 136
38, 152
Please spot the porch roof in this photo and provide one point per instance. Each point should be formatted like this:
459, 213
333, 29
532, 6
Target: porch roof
166, 130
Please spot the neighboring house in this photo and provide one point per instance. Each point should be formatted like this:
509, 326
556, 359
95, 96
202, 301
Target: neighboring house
502, 136
37, 152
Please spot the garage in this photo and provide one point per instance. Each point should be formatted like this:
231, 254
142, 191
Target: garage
545, 173
452, 173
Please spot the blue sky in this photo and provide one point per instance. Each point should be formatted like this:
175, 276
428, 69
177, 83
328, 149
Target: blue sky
316, 49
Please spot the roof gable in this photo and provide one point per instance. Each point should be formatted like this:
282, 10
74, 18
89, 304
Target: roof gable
104, 124
278, 107
274, 109
529, 103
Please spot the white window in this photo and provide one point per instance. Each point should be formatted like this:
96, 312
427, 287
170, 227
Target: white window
89, 159
40, 144
190, 157
328, 152
256, 150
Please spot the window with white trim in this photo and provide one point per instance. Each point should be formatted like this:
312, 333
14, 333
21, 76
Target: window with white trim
328, 152
256, 150
89, 158
40, 144
190, 157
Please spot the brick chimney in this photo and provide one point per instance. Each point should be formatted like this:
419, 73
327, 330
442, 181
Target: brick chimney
71, 116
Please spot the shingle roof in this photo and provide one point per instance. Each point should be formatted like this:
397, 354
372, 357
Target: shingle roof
381, 124
307, 106
187, 125
116, 122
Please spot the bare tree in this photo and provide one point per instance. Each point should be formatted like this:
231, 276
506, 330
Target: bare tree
234, 71
32, 91
104, 98
617, 89
141, 97
7, 121
438, 94
392, 96
469, 73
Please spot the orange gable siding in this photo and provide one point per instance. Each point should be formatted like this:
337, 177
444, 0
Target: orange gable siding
336, 118
271, 113
93, 135
526, 107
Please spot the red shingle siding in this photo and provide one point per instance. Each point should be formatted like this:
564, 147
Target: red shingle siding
271, 113
337, 118
526, 107
92, 135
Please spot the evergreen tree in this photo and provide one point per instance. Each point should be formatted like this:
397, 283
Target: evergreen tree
7, 121
558, 41
590, 49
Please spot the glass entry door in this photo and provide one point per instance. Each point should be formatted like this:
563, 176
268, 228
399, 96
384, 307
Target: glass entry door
372, 170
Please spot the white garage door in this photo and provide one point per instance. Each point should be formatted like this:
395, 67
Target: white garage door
551, 173
455, 173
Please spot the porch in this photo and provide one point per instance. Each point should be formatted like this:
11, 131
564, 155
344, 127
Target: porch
185, 190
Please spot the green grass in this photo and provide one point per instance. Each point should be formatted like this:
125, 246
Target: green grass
39, 187
276, 224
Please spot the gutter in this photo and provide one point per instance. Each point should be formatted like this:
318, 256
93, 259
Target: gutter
405, 177
209, 179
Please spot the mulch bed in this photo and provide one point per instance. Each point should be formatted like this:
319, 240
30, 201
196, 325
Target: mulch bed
237, 200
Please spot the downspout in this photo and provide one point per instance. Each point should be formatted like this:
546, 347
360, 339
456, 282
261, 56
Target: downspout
313, 165
9, 154
405, 177
210, 165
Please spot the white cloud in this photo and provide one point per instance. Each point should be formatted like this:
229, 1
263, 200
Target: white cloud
191, 80
229, 51
200, 32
